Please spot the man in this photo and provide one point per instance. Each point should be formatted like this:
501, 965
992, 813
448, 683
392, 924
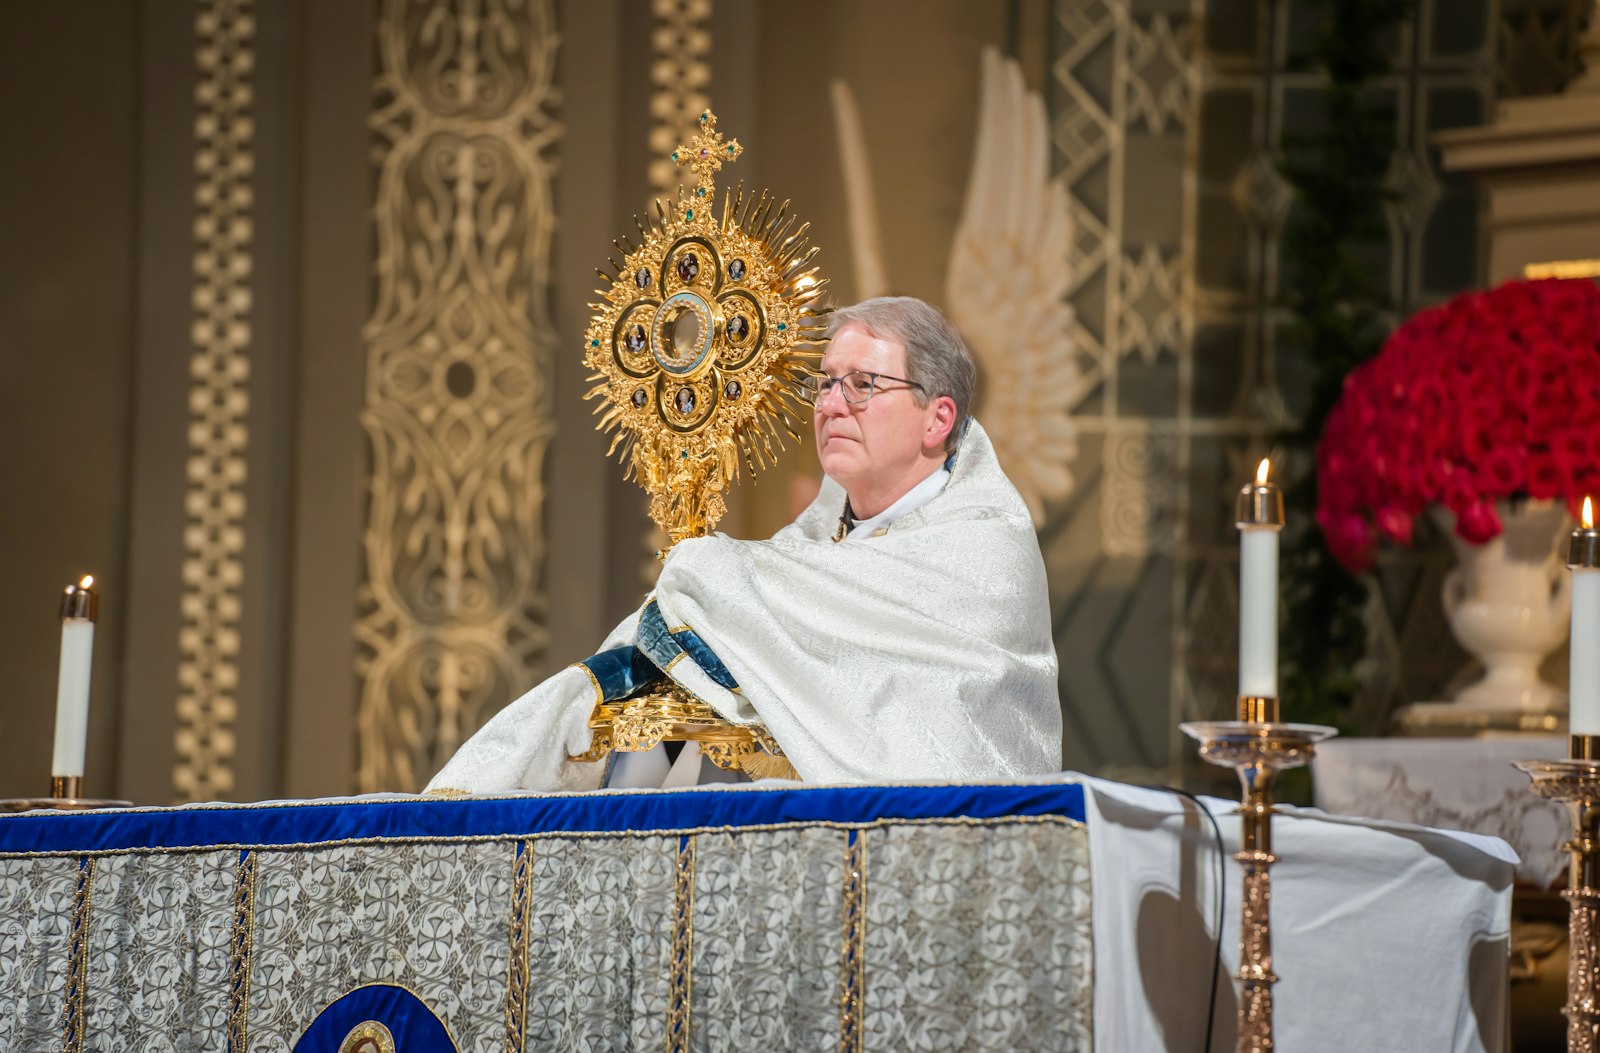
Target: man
898, 629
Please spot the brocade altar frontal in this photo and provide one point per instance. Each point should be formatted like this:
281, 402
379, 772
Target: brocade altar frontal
889, 918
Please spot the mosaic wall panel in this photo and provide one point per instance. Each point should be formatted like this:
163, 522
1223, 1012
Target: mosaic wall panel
1167, 118
453, 609
219, 401
1124, 80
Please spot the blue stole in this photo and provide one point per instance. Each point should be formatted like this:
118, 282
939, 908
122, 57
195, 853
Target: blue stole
623, 672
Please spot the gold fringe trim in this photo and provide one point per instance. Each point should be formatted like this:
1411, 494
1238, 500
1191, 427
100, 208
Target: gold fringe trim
680, 989
240, 947
853, 957
78, 958
517, 982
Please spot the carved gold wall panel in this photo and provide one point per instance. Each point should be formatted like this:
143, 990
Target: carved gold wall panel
452, 606
680, 91
219, 402
680, 78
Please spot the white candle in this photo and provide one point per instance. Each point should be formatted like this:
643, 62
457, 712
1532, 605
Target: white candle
1259, 520
1258, 612
72, 686
1584, 686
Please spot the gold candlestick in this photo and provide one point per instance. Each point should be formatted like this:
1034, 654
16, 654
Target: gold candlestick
1576, 783
1257, 746
66, 794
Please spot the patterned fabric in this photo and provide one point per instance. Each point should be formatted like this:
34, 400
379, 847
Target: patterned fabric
767, 909
1451, 784
159, 947
36, 899
599, 941
433, 918
695, 921
978, 938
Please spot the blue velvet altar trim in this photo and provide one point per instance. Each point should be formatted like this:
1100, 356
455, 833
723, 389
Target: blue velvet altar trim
407, 1017
621, 671
582, 814
664, 646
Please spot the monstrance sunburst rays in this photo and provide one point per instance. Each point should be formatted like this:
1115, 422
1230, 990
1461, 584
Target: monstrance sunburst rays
704, 332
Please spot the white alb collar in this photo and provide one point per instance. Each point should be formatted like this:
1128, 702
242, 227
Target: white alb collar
909, 502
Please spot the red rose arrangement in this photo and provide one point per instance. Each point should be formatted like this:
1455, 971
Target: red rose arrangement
1493, 395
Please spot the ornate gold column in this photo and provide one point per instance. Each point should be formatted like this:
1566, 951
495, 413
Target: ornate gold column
452, 621
680, 80
680, 73
219, 401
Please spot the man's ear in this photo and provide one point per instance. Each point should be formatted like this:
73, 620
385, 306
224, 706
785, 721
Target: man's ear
944, 419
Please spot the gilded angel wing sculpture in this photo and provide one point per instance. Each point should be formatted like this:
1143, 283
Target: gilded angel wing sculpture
1007, 280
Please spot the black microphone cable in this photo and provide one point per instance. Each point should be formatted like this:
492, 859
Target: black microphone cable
1222, 896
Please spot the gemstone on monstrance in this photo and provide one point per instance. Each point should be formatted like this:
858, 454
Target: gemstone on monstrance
642, 278
639, 398
736, 270
738, 328
685, 401
688, 266
636, 339
732, 390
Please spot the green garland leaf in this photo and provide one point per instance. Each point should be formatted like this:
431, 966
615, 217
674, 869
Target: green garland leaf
1339, 313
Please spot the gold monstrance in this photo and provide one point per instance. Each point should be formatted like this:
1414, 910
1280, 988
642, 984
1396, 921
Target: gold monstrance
698, 349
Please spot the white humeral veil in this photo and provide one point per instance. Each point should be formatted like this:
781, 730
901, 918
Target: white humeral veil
921, 653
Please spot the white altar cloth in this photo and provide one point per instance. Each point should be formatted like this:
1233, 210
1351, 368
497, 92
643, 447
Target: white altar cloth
1386, 936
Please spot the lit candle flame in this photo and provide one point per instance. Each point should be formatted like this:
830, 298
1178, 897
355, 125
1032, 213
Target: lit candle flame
87, 582
1261, 471
1588, 513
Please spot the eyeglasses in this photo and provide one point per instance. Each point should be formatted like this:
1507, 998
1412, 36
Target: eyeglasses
857, 386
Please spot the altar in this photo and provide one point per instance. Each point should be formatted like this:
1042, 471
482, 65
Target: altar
1062, 914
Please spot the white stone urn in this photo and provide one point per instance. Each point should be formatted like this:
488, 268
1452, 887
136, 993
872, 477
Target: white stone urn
1508, 602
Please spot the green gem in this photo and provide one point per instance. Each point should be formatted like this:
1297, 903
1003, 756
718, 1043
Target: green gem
731, 149
688, 213
684, 455
701, 192
674, 155
704, 117
594, 343
782, 326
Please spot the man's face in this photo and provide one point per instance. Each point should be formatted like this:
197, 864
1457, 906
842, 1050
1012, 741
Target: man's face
879, 442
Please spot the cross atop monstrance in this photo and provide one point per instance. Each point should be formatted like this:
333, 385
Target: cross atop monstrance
707, 151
